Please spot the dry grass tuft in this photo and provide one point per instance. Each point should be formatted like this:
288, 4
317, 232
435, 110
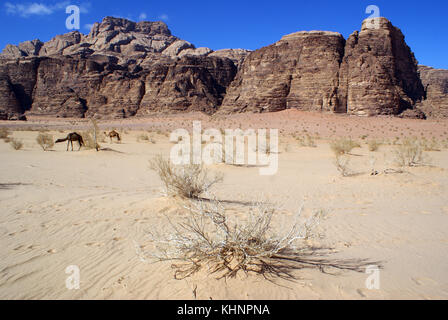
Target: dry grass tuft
409, 153
189, 181
143, 137
45, 140
16, 144
4, 133
373, 145
306, 141
89, 141
343, 146
342, 163
430, 145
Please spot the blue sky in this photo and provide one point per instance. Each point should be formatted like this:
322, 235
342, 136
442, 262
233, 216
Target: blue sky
237, 23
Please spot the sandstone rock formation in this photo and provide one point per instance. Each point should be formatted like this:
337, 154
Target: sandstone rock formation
379, 72
300, 71
435, 82
236, 55
124, 69
120, 69
374, 72
17, 80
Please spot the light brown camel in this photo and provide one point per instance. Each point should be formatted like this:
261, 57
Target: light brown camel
72, 137
113, 134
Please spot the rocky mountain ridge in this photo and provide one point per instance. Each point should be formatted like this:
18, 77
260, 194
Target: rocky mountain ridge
124, 69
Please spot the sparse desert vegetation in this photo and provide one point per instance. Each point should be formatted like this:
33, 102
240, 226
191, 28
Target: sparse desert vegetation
209, 238
374, 145
143, 137
189, 181
16, 144
89, 140
409, 153
342, 163
93, 207
306, 141
343, 146
45, 141
4, 133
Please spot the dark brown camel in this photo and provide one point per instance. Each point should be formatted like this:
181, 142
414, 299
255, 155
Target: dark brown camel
72, 137
113, 134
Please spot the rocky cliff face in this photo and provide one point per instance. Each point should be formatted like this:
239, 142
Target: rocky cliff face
300, 71
17, 81
379, 72
435, 82
120, 69
124, 69
372, 73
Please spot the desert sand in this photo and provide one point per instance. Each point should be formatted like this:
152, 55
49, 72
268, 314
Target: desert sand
93, 209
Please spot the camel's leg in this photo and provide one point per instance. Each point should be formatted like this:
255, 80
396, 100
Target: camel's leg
80, 145
68, 143
72, 144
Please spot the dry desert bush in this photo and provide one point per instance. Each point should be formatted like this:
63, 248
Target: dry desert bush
188, 181
430, 145
4, 133
343, 146
208, 238
409, 153
89, 140
342, 163
45, 140
306, 141
16, 144
373, 145
146, 138
92, 136
445, 144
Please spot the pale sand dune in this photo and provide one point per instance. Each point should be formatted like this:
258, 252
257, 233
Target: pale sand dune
90, 209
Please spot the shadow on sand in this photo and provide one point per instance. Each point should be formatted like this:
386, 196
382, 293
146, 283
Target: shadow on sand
9, 186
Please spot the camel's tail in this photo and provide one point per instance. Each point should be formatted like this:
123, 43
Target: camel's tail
61, 140
81, 141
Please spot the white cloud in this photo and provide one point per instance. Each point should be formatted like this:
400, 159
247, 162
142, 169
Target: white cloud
88, 26
164, 17
25, 10
85, 7
142, 16
40, 9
